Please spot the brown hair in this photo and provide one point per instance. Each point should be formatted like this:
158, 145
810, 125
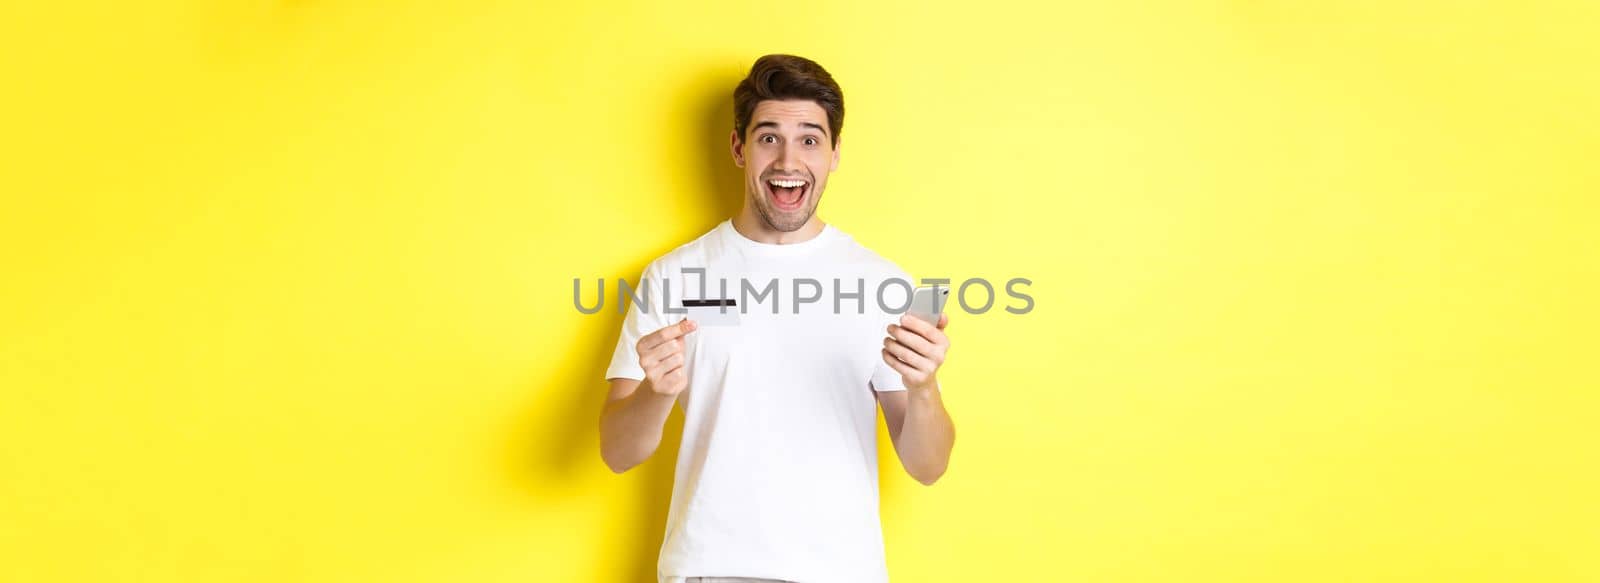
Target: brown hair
788, 77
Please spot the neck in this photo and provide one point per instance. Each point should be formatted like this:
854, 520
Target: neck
749, 224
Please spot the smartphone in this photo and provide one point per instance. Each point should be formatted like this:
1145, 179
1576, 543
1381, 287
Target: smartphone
928, 302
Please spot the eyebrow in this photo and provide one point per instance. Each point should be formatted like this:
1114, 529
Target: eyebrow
804, 124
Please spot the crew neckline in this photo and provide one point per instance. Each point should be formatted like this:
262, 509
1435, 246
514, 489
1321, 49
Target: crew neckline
737, 239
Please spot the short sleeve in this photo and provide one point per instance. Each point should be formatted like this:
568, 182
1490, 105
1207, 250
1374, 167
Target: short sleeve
885, 378
637, 323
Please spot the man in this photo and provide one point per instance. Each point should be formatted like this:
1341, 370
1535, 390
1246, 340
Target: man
777, 472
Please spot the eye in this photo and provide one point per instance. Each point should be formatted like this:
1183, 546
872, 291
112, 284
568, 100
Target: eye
769, 139
810, 141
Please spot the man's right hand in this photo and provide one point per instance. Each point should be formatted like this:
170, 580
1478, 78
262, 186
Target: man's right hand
661, 356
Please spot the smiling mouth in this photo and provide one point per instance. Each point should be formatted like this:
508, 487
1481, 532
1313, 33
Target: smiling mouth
788, 193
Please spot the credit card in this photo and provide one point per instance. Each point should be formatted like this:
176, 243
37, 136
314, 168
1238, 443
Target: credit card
713, 312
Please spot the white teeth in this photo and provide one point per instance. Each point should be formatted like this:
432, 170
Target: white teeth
787, 183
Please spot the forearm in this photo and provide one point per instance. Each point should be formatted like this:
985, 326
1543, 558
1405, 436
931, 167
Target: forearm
926, 436
630, 428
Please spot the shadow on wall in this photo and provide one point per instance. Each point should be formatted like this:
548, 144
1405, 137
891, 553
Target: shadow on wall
571, 423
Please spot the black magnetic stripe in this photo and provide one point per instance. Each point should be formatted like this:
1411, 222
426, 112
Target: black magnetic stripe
708, 303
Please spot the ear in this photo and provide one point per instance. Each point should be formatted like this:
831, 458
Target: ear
737, 146
836, 148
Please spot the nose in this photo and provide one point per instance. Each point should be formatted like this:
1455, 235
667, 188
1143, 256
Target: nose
788, 160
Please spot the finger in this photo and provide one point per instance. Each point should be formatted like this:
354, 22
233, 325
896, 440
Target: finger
922, 328
679, 375
653, 339
911, 339
908, 356
665, 365
673, 381
919, 325
660, 352
674, 331
944, 320
899, 367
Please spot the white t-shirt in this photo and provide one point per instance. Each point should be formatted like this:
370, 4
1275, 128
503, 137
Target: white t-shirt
777, 474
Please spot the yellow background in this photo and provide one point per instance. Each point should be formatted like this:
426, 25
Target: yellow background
287, 285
